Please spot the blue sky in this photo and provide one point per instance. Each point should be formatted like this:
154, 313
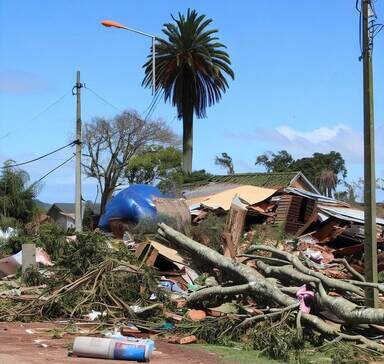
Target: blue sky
298, 82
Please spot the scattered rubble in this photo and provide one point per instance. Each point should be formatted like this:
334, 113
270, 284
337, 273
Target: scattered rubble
284, 261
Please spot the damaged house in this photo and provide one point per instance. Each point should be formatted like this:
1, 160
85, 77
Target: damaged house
324, 227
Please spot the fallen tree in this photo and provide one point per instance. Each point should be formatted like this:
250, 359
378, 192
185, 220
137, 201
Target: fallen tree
340, 298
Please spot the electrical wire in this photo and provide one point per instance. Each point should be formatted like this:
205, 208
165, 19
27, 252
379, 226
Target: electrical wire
41, 157
103, 99
49, 107
149, 110
54, 169
153, 105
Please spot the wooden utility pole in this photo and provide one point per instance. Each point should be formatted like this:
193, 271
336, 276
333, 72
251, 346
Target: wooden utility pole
370, 241
78, 207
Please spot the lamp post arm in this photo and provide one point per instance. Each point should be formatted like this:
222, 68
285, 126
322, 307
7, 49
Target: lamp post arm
140, 32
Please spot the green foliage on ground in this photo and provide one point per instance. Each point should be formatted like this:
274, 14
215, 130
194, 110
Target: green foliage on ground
272, 342
86, 251
90, 273
34, 277
210, 230
348, 353
277, 341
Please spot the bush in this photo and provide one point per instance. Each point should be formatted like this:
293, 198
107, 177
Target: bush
6, 222
88, 249
277, 341
52, 239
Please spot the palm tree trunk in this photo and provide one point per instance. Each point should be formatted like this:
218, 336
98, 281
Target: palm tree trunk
187, 139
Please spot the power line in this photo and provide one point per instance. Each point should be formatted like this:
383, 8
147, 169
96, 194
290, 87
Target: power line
149, 110
153, 105
54, 169
49, 107
103, 99
41, 157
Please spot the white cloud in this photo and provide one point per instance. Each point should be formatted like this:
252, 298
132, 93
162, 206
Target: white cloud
300, 143
319, 135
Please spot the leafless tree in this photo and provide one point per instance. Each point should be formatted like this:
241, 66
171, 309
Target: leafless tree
109, 144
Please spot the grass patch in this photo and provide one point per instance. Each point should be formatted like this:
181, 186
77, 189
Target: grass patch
236, 355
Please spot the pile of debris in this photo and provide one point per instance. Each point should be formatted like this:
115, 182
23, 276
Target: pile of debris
304, 288
323, 227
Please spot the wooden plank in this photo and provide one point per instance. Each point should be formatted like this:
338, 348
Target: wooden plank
234, 227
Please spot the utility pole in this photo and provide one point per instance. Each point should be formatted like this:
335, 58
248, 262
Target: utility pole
370, 241
78, 207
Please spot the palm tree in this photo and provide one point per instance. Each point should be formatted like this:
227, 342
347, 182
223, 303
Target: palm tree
327, 182
190, 69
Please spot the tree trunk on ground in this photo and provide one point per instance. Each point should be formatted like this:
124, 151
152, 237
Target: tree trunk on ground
187, 138
259, 286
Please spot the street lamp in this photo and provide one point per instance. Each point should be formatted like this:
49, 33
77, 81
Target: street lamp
113, 24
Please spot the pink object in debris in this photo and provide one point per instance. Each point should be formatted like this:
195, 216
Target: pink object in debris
43, 257
9, 265
304, 294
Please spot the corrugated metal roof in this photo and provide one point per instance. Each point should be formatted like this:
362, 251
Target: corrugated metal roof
347, 214
276, 180
320, 198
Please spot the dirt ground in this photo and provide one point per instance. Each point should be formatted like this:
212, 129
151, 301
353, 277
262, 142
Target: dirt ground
17, 346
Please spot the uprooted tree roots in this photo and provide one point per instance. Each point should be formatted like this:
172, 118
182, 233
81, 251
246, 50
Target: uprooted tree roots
339, 299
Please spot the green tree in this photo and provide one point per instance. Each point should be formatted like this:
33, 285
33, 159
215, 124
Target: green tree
153, 164
191, 69
280, 162
226, 162
16, 196
313, 166
174, 183
324, 170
